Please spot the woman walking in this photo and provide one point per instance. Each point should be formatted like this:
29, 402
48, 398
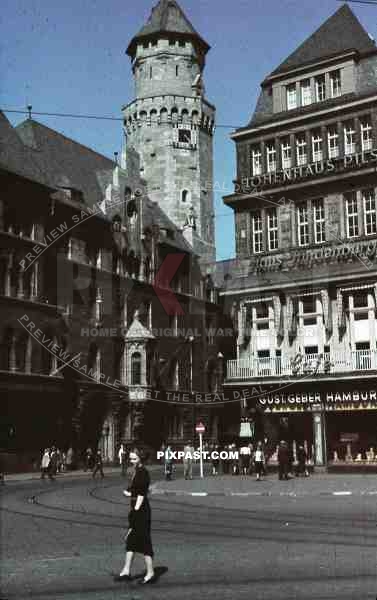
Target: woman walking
138, 538
259, 460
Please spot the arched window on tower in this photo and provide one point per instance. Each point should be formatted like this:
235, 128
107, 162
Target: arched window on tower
185, 115
164, 115
184, 195
153, 116
176, 70
136, 368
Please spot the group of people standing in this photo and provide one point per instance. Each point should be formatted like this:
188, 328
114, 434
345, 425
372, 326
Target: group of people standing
53, 461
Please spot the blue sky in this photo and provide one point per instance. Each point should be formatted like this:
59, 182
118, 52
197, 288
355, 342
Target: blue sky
70, 58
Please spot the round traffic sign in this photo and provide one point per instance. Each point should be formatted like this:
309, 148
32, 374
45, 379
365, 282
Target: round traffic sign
199, 428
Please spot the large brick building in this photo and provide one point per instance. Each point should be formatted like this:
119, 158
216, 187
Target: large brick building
84, 336
303, 287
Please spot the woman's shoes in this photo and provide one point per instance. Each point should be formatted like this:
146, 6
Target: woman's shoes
145, 581
122, 578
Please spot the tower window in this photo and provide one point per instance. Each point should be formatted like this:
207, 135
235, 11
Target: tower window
136, 368
184, 136
182, 44
176, 70
184, 195
150, 72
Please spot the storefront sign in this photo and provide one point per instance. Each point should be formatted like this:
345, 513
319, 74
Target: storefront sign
307, 400
310, 171
308, 258
349, 437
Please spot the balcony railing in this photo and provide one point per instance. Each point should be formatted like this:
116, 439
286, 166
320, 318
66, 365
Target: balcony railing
302, 365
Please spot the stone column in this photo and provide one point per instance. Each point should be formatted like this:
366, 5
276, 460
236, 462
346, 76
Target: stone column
319, 437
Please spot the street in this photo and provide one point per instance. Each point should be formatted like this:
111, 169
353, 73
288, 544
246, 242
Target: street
64, 539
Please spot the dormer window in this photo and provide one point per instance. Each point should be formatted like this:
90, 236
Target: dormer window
320, 88
291, 96
335, 84
306, 93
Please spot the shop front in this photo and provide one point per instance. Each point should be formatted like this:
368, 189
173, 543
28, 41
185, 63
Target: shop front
337, 423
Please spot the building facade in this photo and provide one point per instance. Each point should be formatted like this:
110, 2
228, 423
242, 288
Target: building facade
105, 296
303, 288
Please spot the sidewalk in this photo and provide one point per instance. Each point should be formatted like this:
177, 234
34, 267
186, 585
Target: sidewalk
36, 475
318, 484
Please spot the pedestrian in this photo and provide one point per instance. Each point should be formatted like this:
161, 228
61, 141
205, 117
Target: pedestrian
168, 464
235, 462
283, 460
301, 459
89, 460
122, 456
259, 460
245, 456
53, 464
70, 459
214, 459
98, 464
45, 463
187, 460
138, 538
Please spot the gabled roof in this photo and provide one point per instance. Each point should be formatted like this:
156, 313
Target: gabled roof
65, 162
341, 32
137, 331
167, 17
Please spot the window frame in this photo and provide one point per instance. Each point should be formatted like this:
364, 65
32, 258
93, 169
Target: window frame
271, 152
301, 150
256, 161
371, 212
319, 224
349, 146
366, 127
291, 96
320, 88
333, 135
272, 229
257, 232
305, 92
303, 224
335, 83
286, 153
317, 139
352, 196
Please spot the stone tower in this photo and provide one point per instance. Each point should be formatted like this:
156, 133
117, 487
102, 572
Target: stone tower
170, 123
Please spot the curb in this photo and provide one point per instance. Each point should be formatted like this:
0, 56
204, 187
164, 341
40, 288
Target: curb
159, 492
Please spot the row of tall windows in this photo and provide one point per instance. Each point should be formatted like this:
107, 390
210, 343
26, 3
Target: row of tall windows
310, 222
311, 148
361, 213
314, 89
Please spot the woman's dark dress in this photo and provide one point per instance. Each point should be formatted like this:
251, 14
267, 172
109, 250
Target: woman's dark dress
139, 538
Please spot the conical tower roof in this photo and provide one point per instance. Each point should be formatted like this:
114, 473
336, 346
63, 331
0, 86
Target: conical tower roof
167, 18
339, 33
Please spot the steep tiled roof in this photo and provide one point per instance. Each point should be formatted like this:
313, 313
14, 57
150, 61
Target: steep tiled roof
167, 17
17, 158
341, 32
65, 162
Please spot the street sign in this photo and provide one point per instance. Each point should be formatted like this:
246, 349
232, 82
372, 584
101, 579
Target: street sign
199, 428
